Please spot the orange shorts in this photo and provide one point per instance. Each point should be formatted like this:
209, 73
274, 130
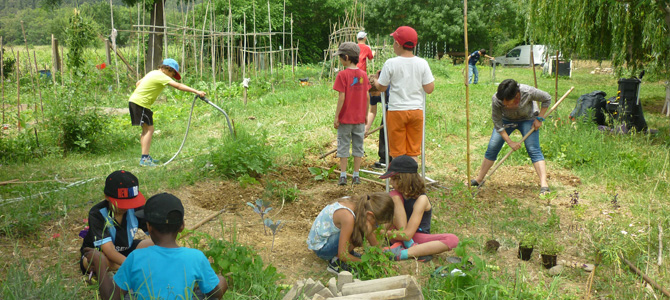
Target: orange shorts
405, 132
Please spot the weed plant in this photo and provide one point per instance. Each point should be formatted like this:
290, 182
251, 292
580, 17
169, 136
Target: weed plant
244, 154
280, 190
50, 284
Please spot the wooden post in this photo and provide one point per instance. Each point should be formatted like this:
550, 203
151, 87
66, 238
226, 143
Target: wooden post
270, 36
18, 91
55, 59
283, 36
62, 69
2, 78
108, 52
116, 61
38, 87
467, 93
532, 63
202, 44
292, 53
183, 37
244, 49
140, 29
556, 89
230, 44
213, 41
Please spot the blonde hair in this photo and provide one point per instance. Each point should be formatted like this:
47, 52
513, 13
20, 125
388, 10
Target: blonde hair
381, 206
410, 185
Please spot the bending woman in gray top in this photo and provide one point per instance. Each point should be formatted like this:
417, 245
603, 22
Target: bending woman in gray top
513, 107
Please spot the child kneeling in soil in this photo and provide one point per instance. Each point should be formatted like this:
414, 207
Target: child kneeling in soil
113, 222
163, 271
342, 225
412, 214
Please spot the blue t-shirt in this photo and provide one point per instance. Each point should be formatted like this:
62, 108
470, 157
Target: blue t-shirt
166, 273
474, 57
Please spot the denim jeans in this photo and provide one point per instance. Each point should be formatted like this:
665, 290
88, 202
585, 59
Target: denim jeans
472, 70
532, 142
329, 250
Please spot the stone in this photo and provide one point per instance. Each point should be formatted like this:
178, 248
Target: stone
589, 267
326, 293
556, 270
356, 280
318, 297
344, 278
318, 286
295, 291
332, 285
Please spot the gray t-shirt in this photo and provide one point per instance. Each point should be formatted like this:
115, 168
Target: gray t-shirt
527, 107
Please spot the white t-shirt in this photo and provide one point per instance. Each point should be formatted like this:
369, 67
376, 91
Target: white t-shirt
407, 75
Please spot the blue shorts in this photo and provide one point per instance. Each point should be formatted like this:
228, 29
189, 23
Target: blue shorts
329, 250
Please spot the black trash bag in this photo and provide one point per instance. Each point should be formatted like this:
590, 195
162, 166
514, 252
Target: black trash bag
590, 107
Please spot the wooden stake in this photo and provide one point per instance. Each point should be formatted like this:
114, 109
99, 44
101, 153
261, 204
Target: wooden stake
18, 91
2, 77
644, 276
202, 44
183, 38
660, 244
532, 63
137, 36
467, 94
270, 36
556, 88
362, 178
244, 49
39, 90
525, 136
62, 69
55, 59
108, 52
230, 44
30, 68
213, 41
205, 220
292, 50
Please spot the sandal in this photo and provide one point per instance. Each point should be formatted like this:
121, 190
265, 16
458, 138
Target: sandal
544, 190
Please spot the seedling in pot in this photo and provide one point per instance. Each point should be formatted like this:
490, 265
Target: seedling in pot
274, 227
549, 250
526, 245
262, 208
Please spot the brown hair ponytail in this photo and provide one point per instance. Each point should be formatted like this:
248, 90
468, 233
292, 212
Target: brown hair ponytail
381, 206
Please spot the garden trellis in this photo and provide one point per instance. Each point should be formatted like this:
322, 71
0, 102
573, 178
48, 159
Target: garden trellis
240, 53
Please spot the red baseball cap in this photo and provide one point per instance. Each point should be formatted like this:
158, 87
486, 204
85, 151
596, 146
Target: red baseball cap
405, 36
122, 190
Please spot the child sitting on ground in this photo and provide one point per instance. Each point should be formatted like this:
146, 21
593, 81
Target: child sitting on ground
413, 213
163, 271
113, 222
342, 225
352, 106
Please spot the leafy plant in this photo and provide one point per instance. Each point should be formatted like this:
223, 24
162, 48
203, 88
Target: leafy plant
261, 207
79, 34
374, 262
553, 221
321, 174
246, 180
244, 154
250, 276
549, 246
281, 190
528, 240
274, 227
82, 132
7, 64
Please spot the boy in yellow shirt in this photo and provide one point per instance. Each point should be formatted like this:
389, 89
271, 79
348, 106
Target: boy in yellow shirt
145, 94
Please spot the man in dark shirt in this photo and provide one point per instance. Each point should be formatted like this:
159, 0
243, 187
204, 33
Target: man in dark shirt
472, 64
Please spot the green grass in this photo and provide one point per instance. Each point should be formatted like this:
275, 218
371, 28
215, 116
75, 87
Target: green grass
298, 128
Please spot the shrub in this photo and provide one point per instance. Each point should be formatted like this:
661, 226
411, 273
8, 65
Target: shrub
82, 132
244, 154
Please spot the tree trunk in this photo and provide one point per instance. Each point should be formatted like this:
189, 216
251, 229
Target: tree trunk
154, 52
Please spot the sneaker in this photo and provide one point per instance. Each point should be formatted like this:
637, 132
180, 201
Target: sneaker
544, 190
335, 266
147, 162
355, 254
474, 182
394, 249
425, 258
356, 180
156, 161
343, 181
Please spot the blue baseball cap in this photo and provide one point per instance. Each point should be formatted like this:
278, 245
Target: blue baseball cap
173, 64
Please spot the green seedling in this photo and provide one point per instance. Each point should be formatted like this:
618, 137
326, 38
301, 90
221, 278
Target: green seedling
528, 240
274, 227
262, 208
549, 246
246, 180
321, 174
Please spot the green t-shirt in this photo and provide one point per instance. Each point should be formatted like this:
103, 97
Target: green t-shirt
150, 87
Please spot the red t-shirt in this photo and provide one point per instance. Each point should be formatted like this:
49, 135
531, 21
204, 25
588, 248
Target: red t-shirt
366, 53
354, 84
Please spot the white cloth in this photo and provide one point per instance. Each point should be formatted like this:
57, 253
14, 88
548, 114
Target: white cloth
408, 75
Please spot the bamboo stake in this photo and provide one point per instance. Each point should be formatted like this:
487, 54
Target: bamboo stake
270, 36
62, 67
195, 51
644, 276
467, 94
18, 91
165, 36
660, 244
244, 53
526, 136
230, 44
116, 61
183, 38
137, 36
283, 36
202, 44
213, 41
28, 53
152, 41
292, 50
205, 220
39, 90
54, 60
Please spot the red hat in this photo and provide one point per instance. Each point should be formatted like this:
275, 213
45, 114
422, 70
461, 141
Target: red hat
405, 36
122, 190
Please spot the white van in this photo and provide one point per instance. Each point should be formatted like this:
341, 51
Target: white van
520, 56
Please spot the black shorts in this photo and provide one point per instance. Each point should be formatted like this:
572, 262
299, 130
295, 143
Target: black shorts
124, 253
140, 115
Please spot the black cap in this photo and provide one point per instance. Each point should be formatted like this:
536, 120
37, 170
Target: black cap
401, 164
122, 189
158, 208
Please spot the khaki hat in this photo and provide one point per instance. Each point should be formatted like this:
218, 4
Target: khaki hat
348, 48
